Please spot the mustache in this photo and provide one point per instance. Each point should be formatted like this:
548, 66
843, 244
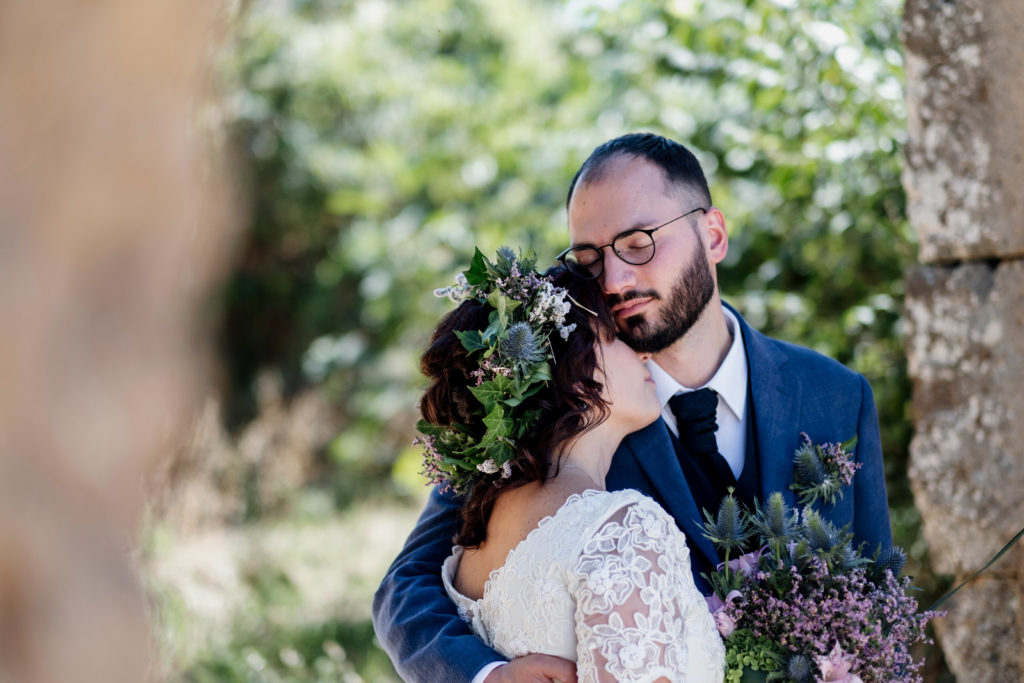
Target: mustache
615, 299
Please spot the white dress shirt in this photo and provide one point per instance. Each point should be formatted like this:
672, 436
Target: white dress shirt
730, 383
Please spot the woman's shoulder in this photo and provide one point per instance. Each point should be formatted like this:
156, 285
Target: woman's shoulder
621, 501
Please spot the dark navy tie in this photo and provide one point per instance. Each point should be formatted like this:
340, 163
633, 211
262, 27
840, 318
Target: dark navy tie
707, 473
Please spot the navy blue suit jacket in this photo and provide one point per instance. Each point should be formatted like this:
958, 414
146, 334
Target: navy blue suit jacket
793, 390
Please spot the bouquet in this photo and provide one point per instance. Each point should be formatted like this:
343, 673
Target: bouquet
806, 606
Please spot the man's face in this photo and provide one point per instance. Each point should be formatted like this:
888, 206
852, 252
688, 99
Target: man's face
656, 303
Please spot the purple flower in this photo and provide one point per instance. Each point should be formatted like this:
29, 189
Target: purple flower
725, 624
716, 604
745, 564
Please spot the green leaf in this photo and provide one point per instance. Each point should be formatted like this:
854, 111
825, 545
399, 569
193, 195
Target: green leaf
471, 340
492, 392
541, 372
477, 273
497, 425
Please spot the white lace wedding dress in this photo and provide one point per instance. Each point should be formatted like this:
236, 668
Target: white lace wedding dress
604, 581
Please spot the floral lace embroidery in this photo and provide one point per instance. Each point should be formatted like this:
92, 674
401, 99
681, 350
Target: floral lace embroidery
604, 581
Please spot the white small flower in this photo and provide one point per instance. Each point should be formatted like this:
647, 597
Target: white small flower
565, 330
488, 466
506, 470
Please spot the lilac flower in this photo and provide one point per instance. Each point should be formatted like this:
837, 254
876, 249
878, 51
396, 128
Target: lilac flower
432, 461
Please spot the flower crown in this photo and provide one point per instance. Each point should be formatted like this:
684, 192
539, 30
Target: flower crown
514, 353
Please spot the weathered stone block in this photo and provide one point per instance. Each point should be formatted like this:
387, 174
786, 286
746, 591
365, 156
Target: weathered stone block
965, 153
978, 633
966, 358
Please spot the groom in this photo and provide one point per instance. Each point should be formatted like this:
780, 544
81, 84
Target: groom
641, 222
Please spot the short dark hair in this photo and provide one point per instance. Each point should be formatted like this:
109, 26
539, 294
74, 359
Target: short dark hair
679, 164
568, 405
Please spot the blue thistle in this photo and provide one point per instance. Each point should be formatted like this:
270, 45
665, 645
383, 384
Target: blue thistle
820, 534
730, 528
520, 345
809, 470
505, 258
893, 559
775, 521
848, 559
800, 669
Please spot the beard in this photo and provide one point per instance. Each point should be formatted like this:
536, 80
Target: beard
689, 296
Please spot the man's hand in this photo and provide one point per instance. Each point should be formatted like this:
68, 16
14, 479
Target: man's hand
534, 669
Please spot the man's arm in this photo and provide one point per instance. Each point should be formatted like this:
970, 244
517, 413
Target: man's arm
871, 506
415, 620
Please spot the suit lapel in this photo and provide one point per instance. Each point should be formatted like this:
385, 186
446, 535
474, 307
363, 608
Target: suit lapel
653, 450
775, 404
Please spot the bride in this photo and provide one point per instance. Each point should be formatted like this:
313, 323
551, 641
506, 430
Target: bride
530, 394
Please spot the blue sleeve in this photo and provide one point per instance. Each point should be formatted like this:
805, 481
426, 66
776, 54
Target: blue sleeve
415, 620
871, 508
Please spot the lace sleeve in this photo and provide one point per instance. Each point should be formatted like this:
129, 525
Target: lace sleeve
639, 616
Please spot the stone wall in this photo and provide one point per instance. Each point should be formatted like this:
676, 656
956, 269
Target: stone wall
965, 307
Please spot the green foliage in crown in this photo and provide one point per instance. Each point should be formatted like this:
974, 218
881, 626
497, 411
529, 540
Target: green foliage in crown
514, 362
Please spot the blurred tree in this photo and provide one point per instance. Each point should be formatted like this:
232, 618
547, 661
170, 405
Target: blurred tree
385, 139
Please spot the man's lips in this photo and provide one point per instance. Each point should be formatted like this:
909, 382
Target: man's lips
631, 307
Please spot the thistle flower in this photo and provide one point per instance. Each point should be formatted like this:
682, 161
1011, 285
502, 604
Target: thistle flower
892, 559
775, 521
819, 532
821, 472
800, 669
506, 257
846, 558
808, 468
520, 345
730, 528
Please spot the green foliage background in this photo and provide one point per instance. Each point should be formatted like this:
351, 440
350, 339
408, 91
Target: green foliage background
382, 140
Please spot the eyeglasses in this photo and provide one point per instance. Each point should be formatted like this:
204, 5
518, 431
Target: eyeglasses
635, 247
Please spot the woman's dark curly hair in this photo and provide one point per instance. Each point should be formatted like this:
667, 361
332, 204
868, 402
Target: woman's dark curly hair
569, 404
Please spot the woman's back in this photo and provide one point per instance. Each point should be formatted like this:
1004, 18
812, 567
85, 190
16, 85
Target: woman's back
604, 580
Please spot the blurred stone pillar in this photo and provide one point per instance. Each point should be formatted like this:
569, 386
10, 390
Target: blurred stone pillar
114, 225
965, 305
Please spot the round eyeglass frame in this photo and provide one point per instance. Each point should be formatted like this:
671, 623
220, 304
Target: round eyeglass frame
586, 273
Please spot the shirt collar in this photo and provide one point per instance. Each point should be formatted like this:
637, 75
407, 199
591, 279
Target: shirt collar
729, 381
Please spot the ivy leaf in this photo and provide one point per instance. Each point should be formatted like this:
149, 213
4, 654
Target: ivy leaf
497, 425
502, 305
471, 340
504, 449
477, 273
490, 393
495, 329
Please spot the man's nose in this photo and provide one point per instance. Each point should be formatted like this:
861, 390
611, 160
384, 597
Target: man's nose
618, 276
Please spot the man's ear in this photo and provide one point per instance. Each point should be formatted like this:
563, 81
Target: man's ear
716, 237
